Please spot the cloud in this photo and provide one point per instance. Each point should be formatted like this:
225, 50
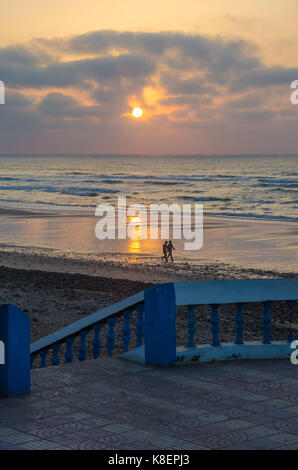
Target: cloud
17, 55
198, 48
58, 104
16, 99
250, 100
176, 85
186, 81
76, 72
251, 116
263, 77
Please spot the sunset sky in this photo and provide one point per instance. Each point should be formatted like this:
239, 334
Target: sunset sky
211, 76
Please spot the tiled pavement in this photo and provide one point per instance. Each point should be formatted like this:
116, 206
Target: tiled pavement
114, 404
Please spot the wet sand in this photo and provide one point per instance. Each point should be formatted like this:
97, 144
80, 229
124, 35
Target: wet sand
246, 243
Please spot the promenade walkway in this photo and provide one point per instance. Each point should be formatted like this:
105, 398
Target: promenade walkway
110, 403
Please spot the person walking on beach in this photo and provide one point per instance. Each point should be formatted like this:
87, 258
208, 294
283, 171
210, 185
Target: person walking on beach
170, 250
165, 251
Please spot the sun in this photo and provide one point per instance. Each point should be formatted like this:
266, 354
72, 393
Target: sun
137, 112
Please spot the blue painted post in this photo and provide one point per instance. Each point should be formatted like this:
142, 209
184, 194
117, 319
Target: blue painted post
266, 323
160, 325
96, 343
55, 358
140, 325
15, 341
43, 358
111, 335
191, 327
126, 330
215, 325
291, 304
239, 324
68, 356
83, 347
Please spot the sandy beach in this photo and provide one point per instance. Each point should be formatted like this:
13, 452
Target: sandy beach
65, 235
54, 299
56, 286
55, 291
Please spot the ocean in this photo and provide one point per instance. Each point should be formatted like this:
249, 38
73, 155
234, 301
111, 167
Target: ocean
263, 187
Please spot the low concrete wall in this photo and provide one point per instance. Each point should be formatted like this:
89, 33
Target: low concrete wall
225, 352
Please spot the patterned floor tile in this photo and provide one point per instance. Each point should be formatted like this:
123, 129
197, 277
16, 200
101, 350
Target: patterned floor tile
112, 404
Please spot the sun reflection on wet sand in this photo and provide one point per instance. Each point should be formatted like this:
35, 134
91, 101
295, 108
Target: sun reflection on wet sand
135, 246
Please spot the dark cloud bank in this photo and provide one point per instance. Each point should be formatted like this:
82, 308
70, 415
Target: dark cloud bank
89, 81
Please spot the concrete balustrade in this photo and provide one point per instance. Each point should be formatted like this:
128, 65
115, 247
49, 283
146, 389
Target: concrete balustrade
153, 337
160, 320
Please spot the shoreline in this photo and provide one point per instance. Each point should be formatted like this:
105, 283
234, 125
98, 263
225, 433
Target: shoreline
11, 211
240, 242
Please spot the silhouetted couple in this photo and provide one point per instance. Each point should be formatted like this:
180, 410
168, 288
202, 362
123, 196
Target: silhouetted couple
167, 249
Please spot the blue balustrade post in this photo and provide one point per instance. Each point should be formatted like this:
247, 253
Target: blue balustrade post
111, 335
14, 351
215, 325
239, 324
191, 327
160, 325
55, 358
266, 323
291, 304
82, 356
96, 343
43, 358
126, 330
68, 356
140, 325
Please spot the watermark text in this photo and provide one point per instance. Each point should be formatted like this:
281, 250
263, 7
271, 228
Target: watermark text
2, 353
2, 92
294, 355
138, 222
294, 94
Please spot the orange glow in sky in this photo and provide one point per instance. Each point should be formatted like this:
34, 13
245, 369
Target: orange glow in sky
179, 77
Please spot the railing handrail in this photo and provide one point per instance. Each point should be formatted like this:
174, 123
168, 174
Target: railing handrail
235, 291
155, 322
187, 293
86, 322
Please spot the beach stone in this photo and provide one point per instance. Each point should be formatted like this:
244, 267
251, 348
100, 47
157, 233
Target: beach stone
35, 316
